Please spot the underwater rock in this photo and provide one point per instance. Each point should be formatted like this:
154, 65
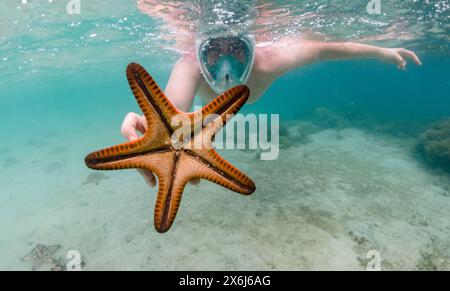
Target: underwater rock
44, 255
95, 178
434, 144
351, 116
284, 136
291, 134
360, 240
432, 258
286, 139
296, 133
399, 128
328, 118
303, 130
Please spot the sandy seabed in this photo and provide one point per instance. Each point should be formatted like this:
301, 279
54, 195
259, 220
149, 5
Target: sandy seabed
323, 205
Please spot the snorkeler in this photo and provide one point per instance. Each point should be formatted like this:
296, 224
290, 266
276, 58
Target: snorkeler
221, 63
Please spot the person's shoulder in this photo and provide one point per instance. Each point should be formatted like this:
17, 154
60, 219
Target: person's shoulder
264, 58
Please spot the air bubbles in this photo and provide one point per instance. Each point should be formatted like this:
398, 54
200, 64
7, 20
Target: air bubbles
58, 38
75, 24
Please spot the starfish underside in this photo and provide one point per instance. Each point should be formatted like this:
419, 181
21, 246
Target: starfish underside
175, 163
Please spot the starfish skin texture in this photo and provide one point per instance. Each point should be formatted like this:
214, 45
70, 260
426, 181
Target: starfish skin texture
172, 156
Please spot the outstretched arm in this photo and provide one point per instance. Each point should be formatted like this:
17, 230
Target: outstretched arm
351, 50
289, 54
183, 83
180, 90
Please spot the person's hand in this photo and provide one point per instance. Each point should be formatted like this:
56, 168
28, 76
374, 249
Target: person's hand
132, 125
399, 56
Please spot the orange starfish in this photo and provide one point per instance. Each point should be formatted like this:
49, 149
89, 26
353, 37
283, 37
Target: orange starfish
176, 158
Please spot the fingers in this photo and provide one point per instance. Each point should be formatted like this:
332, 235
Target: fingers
141, 124
400, 61
131, 125
401, 58
410, 54
128, 128
148, 177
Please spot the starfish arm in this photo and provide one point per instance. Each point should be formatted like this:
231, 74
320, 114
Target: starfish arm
157, 108
171, 182
228, 103
221, 109
210, 166
113, 157
183, 168
117, 158
172, 179
167, 202
170, 186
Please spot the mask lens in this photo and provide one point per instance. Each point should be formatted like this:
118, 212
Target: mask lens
226, 62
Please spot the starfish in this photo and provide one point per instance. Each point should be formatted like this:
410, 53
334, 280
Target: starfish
42, 254
176, 158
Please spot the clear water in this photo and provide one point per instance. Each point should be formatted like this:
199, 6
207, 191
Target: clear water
348, 179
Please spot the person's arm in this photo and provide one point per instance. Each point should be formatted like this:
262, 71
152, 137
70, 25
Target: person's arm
289, 54
180, 90
183, 83
351, 50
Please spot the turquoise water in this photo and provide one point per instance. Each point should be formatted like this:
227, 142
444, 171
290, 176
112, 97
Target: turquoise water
349, 178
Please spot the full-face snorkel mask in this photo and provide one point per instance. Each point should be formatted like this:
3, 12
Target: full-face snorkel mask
226, 62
